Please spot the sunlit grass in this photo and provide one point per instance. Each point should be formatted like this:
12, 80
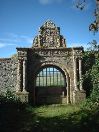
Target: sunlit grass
54, 110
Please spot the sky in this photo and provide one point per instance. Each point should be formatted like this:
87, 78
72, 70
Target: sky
20, 21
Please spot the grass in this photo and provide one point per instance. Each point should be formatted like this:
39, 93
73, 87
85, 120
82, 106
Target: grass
48, 118
49, 111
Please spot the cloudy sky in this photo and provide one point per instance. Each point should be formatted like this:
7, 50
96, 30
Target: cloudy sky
20, 20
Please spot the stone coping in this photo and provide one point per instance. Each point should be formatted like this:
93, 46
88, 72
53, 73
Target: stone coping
5, 59
53, 48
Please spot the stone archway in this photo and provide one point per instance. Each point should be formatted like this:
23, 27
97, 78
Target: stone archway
52, 94
49, 48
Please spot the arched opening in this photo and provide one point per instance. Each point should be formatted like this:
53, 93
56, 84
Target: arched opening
50, 87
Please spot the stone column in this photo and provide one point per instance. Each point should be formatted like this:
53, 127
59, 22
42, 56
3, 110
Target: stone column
24, 75
75, 72
68, 89
19, 77
80, 73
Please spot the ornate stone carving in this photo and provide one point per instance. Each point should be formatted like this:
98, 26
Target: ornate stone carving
49, 36
55, 52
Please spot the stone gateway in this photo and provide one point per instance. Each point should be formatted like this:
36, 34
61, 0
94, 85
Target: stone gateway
46, 73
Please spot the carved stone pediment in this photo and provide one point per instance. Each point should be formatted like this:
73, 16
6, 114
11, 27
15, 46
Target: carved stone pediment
49, 36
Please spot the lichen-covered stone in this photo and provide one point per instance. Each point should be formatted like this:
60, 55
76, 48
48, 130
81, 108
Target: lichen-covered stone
8, 72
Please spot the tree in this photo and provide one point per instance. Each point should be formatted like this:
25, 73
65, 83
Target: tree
91, 76
94, 26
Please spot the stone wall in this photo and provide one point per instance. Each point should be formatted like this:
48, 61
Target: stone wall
8, 74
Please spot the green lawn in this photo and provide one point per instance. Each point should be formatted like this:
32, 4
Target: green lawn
49, 118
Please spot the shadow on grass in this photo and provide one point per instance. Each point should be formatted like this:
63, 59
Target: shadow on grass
24, 119
82, 121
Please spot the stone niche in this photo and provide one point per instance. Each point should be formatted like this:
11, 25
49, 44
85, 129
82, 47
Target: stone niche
48, 60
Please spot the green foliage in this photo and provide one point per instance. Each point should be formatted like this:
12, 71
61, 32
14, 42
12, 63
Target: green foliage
9, 99
91, 76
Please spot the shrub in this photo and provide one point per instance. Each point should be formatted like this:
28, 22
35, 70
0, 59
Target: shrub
9, 99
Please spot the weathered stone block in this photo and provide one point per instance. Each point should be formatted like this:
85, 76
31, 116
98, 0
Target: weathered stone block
22, 96
78, 96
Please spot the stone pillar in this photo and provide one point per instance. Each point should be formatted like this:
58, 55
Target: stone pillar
67, 88
23, 94
78, 94
68, 91
67, 79
80, 74
75, 72
19, 77
24, 75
